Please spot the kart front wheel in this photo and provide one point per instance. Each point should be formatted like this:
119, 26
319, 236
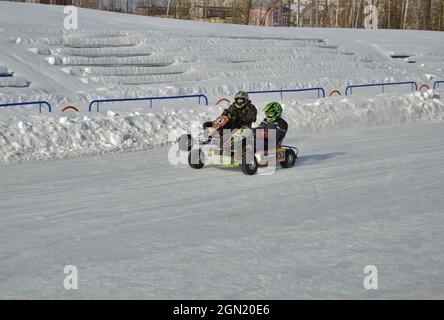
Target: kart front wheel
185, 142
290, 159
196, 159
249, 166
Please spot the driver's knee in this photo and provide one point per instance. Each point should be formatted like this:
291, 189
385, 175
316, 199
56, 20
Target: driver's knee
207, 124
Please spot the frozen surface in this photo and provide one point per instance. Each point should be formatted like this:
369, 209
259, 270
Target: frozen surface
137, 227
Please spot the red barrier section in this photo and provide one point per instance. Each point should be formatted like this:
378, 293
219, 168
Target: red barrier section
335, 93
70, 108
222, 100
424, 86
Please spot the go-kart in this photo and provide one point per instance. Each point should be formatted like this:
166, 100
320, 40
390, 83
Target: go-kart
236, 150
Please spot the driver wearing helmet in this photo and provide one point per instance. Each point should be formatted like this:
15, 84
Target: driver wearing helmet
273, 120
242, 112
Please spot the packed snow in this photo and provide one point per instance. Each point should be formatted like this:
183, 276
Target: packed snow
137, 227
366, 189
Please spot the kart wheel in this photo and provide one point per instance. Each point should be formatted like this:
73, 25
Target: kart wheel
196, 159
290, 159
185, 142
249, 167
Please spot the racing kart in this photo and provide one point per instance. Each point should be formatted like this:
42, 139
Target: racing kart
210, 149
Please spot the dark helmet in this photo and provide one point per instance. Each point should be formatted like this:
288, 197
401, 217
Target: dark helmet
241, 99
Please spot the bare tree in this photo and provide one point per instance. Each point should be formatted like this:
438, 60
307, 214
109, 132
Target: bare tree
326, 15
352, 14
317, 13
247, 11
418, 7
337, 13
441, 17
389, 13
406, 10
298, 14
168, 8
176, 14
359, 10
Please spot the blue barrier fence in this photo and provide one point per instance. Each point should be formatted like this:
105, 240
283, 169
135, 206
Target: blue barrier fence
436, 84
6, 75
319, 91
349, 89
150, 99
40, 103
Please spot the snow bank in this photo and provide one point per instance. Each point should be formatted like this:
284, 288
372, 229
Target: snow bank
14, 82
338, 113
40, 137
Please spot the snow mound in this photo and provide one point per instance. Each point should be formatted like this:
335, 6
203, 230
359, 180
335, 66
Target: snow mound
338, 113
41, 137
15, 82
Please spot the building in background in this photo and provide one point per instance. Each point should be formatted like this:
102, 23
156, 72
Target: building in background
57, 2
271, 13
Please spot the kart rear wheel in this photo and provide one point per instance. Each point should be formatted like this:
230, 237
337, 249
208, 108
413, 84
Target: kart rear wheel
249, 167
196, 159
290, 159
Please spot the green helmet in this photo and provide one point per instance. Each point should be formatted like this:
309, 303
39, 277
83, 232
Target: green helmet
273, 111
241, 99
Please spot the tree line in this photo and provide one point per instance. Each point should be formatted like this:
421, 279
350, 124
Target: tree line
392, 14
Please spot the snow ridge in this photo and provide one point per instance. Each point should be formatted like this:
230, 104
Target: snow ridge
25, 137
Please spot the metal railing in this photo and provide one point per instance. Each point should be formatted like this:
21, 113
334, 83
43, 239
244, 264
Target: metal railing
40, 103
349, 89
281, 91
436, 84
150, 99
320, 91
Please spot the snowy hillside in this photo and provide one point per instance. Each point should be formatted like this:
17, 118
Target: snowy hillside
127, 55
367, 189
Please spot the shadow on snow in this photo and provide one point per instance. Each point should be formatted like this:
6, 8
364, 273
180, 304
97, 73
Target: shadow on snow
315, 158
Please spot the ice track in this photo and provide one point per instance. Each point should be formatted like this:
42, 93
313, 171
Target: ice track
137, 227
